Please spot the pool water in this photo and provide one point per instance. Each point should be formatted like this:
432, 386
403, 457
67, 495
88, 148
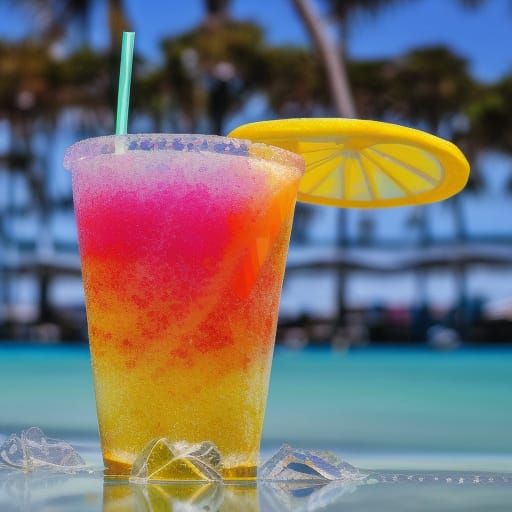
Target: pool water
402, 411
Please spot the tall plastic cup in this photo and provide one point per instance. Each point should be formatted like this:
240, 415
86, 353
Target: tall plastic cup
183, 241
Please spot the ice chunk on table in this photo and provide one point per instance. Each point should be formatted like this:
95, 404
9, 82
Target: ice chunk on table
307, 465
162, 460
30, 449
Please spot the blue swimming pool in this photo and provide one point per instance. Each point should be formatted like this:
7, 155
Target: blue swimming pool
438, 423
380, 407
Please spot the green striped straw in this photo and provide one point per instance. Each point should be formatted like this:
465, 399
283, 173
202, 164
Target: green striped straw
125, 78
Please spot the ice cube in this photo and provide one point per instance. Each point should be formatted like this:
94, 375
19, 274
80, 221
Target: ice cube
12, 452
31, 449
296, 464
162, 460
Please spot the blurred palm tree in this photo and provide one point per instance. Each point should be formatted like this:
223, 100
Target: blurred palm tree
85, 87
26, 99
212, 68
431, 87
28, 104
490, 120
293, 80
42, 82
345, 14
36, 89
333, 56
58, 20
490, 116
370, 81
335, 69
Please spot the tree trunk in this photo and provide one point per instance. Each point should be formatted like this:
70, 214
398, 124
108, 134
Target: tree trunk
220, 90
461, 274
459, 219
4, 273
342, 242
117, 23
332, 57
461, 317
45, 312
425, 239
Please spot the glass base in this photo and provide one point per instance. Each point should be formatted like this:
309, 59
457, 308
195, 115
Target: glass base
118, 470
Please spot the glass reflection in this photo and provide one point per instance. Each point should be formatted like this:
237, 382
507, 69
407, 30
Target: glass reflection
172, 497
218, 497
49, 492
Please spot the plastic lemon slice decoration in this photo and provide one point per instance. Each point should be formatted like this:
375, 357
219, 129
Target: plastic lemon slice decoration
365, 164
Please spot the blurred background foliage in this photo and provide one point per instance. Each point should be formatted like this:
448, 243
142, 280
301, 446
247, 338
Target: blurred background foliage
203, 78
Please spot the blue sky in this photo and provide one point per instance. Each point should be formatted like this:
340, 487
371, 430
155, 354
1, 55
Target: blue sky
483, 36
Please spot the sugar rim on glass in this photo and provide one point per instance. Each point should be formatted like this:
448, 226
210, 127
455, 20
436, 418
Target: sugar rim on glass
185, 143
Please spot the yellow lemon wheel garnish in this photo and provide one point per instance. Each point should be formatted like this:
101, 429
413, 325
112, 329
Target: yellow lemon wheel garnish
353, 163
